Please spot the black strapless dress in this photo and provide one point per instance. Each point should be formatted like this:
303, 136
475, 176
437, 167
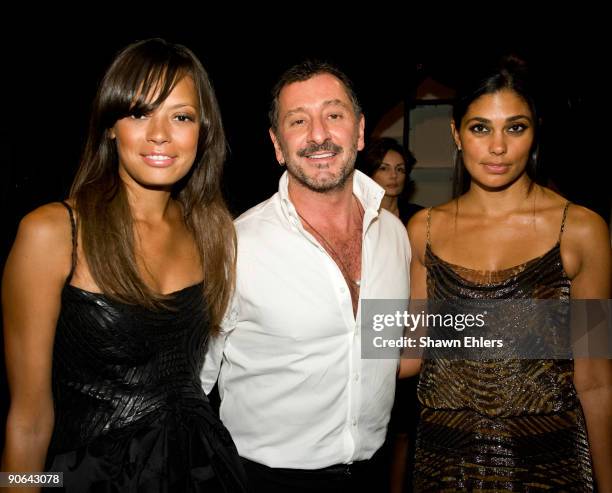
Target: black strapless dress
500, 425
130, 413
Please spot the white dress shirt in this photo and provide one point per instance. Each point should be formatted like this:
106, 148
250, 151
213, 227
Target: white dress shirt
295, 391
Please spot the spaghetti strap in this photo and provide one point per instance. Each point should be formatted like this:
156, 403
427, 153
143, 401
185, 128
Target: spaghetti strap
428, 245
567, 204
73, 228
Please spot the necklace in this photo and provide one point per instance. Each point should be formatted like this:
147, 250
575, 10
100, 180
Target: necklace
343, 269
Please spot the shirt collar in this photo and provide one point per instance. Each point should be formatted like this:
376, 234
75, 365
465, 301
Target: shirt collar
367, 191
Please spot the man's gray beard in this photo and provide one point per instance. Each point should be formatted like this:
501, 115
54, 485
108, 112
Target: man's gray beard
345, 172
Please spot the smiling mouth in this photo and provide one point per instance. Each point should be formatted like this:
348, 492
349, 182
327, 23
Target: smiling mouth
158, 160
323, 151
158, 157
323, 155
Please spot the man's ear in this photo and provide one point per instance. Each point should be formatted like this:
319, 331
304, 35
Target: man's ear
361, 138
277, 147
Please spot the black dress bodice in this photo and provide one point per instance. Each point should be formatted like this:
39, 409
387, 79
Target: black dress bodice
130, 412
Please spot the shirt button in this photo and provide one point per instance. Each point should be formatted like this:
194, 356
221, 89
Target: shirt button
354, 422
356, 377
343, 290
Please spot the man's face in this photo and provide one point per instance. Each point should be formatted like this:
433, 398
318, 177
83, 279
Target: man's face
318, 133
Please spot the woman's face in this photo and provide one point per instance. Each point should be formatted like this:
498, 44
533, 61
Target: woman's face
158, 149
496, 136
391, 174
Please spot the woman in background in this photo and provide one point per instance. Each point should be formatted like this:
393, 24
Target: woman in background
389, 164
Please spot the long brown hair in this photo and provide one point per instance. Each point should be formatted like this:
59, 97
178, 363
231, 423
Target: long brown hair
107, 229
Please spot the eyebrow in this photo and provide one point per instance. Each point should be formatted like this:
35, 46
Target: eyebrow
182, 105
329, 102
509, 119
396, 164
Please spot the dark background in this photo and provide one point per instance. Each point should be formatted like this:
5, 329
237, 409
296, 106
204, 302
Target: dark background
52, 76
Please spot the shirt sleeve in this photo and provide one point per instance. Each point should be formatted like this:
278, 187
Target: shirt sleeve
216, 344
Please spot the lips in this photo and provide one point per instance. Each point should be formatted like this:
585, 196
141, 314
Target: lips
158, 160
321, 155
320, 152
496, 168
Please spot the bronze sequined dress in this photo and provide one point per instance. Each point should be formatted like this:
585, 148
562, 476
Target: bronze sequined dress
500, 425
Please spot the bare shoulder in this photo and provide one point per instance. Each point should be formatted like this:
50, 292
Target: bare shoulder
444, 214
585, 227
417, 232
45, 236
441, 215
48, 223
417, 222
585, 251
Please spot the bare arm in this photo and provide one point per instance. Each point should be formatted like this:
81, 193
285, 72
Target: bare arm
418, 278
589, 259
35, 271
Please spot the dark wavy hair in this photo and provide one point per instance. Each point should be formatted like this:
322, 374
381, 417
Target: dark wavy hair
147, 67
509, 72
373, 154
304, 71
372, 157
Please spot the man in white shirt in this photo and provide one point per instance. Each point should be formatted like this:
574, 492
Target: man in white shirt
306, 412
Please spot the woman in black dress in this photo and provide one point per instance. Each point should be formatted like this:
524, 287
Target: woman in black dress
110, 297
511, 424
